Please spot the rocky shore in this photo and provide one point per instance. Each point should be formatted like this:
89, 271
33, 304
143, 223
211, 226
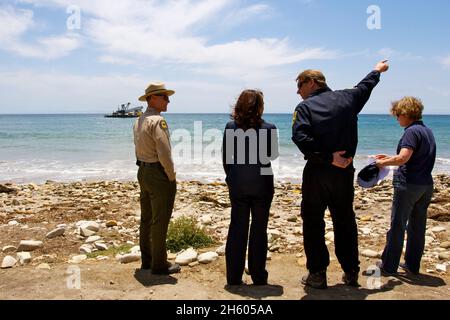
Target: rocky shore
56, 224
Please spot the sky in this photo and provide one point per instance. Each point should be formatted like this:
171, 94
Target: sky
89, 56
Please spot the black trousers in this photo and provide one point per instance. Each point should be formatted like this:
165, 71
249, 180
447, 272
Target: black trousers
238, 234
328, 186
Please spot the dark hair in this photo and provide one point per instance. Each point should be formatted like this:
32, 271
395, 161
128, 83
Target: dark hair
249, 108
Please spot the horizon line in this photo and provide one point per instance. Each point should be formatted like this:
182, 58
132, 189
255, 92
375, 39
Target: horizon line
196, 113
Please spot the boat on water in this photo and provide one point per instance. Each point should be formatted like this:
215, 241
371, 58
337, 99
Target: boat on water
124, 111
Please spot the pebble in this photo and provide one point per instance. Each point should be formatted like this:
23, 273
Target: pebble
111, 223
13, 223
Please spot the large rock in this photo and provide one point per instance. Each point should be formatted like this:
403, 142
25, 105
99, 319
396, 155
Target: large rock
207, 257
55, 233
186, 257
8, 262
29, 245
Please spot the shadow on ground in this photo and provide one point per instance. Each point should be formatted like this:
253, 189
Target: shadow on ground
147, 279
256, 292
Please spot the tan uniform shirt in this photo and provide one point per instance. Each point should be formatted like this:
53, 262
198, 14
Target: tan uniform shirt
152, 141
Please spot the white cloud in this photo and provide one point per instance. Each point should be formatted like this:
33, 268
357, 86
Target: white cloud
14, 23
179, 32
446, 62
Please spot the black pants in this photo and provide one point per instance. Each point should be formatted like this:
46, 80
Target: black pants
328, 186
236, 247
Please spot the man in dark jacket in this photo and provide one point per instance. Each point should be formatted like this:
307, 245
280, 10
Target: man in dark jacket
325, 130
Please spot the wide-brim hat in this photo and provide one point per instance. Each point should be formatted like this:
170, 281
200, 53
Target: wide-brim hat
371, 175
156, 88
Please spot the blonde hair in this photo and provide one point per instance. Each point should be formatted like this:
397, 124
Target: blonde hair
315, 75
410, 107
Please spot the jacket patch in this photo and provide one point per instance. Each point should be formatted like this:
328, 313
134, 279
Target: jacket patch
294, 117
163, 124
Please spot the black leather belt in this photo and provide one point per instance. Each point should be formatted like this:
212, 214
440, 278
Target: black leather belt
147, 164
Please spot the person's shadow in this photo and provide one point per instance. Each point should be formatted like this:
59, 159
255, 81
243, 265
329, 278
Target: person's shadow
147, 279
343, 292
256, 292
424, 280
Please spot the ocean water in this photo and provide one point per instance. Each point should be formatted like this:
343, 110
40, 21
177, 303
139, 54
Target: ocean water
36, 148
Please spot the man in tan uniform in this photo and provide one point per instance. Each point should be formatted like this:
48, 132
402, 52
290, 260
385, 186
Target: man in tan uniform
156, 176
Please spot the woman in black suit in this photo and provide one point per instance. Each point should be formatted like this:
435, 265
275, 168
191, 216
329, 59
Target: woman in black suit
249, 144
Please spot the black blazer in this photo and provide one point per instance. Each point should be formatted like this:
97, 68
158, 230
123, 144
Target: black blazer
246, 157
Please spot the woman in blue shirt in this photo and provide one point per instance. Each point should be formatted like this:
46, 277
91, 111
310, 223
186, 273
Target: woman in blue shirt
413, 187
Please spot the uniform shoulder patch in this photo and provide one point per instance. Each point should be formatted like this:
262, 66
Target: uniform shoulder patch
163, 124
294, 117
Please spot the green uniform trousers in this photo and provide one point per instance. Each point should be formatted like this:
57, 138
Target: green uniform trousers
157, 199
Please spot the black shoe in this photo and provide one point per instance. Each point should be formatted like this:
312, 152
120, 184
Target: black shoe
350, 279
383, 271
235, 283
173, 268
316, 280
405, 268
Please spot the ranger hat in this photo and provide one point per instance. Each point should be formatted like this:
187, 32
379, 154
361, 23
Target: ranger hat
156, 88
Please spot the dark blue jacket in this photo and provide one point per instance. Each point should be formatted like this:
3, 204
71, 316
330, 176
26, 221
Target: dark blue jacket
326, 121
247, 166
